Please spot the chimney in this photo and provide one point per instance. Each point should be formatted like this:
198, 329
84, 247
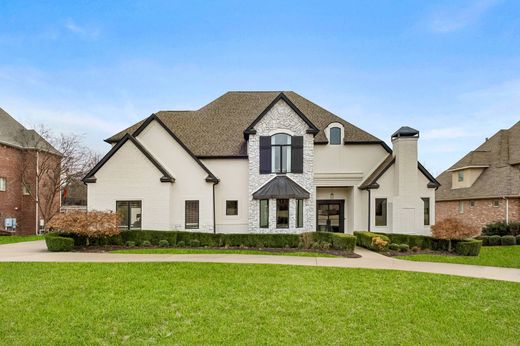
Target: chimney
404, 142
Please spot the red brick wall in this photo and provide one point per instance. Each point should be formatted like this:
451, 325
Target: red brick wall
482, 213
13, 203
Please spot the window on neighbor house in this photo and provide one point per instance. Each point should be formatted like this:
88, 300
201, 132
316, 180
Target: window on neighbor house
191, 214
381, 212
299, 213
231, 207
335, 135
130, 212
461, 207
264, 213
460, 176
426, 202
25, 190
281, 153
3, 184
282, 213
471, 203
496, 203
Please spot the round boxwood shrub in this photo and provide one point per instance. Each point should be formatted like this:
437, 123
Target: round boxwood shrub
468, 247
55, 243
518, 239
404, 247
130, 243
146, 243
508, 240
194, 243
181, 243
164, 243
494, 240
394, 247
485, 239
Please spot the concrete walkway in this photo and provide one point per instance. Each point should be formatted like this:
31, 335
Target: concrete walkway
36, 251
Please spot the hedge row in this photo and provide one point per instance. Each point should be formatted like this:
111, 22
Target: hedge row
496, 240
57, 243
468, 247
366, 240
502, 228
337, 241
421, 241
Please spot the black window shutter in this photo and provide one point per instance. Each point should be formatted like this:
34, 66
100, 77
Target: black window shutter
297, 154
265, 154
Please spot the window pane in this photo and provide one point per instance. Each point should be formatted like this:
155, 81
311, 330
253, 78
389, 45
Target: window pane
191, 211
122, 210
264, 213
426, 202
135, 215
299, 213
281, 138
3, 183
231, 207
381, 217
461, 175
286, 159
276, 159
461, 207
335, 135
282, 213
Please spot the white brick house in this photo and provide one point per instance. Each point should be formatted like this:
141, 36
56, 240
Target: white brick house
262, 162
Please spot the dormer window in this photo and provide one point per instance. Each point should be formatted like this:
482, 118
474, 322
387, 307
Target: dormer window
281, 153
335, 136
460, 176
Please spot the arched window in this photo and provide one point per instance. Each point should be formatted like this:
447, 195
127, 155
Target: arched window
335, 136
281, 153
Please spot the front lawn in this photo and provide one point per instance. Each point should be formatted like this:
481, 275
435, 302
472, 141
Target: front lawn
176, 251
199, 303
495, 256
19, 238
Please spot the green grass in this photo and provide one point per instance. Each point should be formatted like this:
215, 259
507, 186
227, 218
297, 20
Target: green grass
174, 251
495, 256
196, 303
19, 238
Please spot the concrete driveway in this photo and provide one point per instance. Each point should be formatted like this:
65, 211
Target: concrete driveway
36, 251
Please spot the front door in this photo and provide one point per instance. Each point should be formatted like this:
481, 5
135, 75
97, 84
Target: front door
331, 216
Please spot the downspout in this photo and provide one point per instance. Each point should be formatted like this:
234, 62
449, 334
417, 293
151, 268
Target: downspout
214, 212
507, 210
37, 192
369, 209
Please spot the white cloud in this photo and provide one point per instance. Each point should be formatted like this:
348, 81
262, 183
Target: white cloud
456, 18
82, 31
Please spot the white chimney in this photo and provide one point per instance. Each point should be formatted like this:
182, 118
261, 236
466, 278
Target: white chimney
404, 142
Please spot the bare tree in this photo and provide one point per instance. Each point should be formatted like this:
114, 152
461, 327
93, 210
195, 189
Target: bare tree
52, 163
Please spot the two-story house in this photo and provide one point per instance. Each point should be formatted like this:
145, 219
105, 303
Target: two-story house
262, 162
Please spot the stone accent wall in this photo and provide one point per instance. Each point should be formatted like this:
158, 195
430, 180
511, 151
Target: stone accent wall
481, 213
281, 119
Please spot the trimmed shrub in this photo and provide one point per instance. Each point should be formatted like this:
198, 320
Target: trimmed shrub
164, 243
152, 236
92, 224
181, 243
130, 243
453, 229
518, 239
345, 242
484, 238
501, 228
366, 240
393, 247
468, 247
57, 243
267, 240
146, 243
404, 247
494, 240
508, 240
412, 240
194, 243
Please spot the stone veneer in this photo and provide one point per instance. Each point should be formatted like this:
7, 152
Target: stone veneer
281, 118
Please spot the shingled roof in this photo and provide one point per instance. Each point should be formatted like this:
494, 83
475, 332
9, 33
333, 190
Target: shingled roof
217, 129
499, 157
14, 134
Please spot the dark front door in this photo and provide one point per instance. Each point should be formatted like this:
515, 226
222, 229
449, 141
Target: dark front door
331, 216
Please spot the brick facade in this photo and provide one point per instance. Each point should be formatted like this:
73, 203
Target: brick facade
13, 202
478, 212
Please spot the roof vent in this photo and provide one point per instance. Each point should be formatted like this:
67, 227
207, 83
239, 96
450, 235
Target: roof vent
405, 131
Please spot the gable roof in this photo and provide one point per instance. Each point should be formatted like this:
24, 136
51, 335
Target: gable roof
499, 157
371, 181
90, 177
217, 129
281, 187
14, 134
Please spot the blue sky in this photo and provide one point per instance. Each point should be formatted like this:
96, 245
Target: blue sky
448, 68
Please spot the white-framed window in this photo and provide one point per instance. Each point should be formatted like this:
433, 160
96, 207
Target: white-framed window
232, 207
3, 184
191, 214
264, 213
381, 212
426, 202
281, 153
335, 135
460, 176
461, 207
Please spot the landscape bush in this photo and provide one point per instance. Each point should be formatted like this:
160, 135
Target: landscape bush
404, 247
366, 240
494, 240
502, 228
57, 243
164, 243
518, 239
468, 247
508, 240
393, 247
86, 225
130, 243
453, 229
146, 243
484, 238
194, 243
181, 244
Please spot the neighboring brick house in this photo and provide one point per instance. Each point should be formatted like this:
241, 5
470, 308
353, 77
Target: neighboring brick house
21, 151
484, 186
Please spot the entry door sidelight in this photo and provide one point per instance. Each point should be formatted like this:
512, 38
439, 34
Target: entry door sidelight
331, 216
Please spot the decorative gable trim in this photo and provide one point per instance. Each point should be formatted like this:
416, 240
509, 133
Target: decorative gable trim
250, 130
211, 178
90, 177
